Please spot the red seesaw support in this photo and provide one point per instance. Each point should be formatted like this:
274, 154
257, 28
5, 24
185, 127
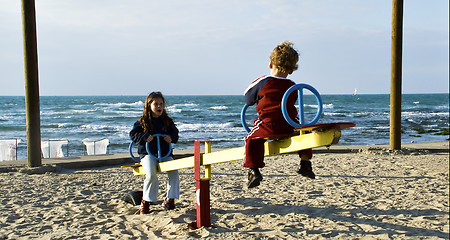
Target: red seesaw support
202, 187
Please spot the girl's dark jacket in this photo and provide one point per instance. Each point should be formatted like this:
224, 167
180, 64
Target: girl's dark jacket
139, 137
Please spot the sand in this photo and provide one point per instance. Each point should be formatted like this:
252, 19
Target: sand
369, 194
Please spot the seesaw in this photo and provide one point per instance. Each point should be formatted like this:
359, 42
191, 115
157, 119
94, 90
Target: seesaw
306, 135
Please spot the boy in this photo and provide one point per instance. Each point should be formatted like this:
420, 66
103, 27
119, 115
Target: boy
267, 92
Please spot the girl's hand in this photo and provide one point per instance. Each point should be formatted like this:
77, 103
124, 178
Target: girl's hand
150, 138
168, 139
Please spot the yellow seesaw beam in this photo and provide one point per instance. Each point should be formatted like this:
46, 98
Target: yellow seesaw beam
286, 145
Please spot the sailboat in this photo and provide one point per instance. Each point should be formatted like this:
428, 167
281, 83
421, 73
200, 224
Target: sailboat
354, 92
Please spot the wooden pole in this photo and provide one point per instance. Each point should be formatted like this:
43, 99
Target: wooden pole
396, 74
31, 84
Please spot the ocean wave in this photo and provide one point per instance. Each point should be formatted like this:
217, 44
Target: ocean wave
204, 126
189, 105
219, 108
138, 104
378, 127
425, 114
123, 113
442, 107
6, 118
83, 110
324, 106
368, 114
178, 108
223, 139
97, 127
335, 114
172, 109
5, 128
64, 125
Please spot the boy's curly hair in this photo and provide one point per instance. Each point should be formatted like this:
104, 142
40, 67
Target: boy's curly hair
285, 57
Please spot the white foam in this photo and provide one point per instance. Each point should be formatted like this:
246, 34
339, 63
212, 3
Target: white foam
203, 126
185, 105
219, 108
424, 114
172, 109
324, 106
122, 104
82, 111
100, 127
62, 125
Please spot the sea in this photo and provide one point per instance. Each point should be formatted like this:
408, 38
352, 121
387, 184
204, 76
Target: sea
425, 118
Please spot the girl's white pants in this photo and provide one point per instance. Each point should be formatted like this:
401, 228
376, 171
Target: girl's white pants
150, 190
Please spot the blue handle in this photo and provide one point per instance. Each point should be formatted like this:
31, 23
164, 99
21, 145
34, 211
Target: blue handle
159, 158
243, 122
301, 112
130, 150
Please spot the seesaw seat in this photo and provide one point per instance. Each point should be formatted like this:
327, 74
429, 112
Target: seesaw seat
311, 128
326, 126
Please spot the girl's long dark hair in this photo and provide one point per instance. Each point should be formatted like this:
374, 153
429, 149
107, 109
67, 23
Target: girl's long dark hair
146, 118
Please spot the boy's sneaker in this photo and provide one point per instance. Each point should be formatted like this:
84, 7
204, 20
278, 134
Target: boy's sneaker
254, 178
169, 204
306, 170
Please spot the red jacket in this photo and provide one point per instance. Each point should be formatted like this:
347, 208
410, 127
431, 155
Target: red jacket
267, 92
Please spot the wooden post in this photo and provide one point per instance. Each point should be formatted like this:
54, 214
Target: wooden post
31, 84
396, 74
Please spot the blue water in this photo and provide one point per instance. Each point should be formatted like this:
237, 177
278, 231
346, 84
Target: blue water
217, 118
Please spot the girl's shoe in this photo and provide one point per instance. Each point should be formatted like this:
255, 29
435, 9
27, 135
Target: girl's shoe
144, 208
169, 204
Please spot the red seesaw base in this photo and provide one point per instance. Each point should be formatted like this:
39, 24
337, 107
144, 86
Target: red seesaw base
202, 193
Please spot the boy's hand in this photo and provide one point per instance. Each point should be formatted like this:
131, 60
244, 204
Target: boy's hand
150, 138
168, 139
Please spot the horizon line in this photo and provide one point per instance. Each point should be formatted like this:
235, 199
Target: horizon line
137, 95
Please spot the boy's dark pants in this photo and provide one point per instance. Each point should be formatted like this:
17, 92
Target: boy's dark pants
254, 141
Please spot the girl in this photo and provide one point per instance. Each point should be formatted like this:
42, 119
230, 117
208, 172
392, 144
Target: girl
155, 120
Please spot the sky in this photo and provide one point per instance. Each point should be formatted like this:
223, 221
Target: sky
212, 47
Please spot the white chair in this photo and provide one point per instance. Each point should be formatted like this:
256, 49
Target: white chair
96, 147
52, 148
8, 149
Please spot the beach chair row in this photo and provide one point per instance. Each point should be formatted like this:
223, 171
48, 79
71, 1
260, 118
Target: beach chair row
53, 148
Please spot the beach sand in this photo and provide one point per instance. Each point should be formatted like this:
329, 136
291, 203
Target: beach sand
367, 194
